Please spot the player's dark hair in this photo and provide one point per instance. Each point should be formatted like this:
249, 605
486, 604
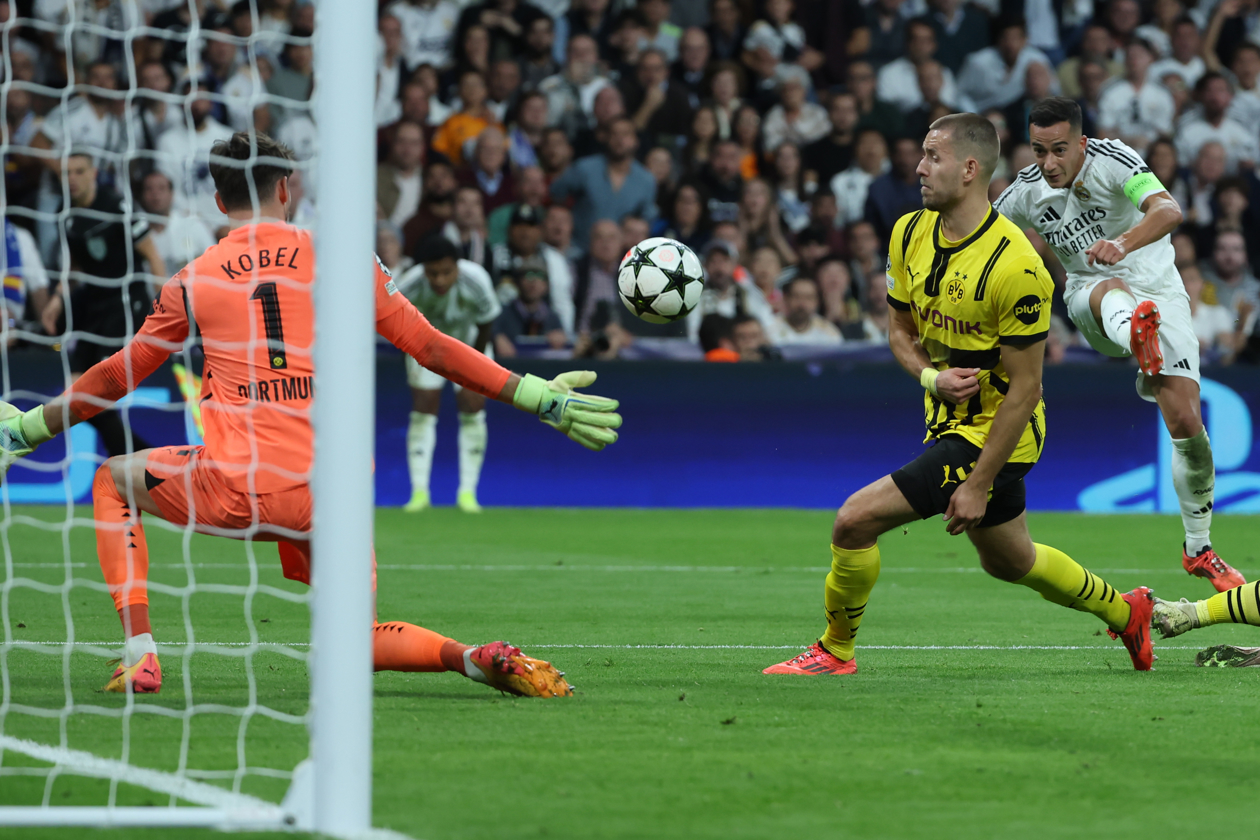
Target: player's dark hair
972, 136
1056, 109
271, 161
435, 248
715, 328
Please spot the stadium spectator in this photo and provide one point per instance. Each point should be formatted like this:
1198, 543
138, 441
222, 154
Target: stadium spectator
1037, 82
659, 108
634, 229
539, 61
776, 43
658, 32
558, 232
885, 30
390, 69
800, 322
688, 222
467, 227
700, 140
690, 72
503, 87
525, 135
472, 55
571, 94
866, 257
931, 81
875, 316
898, 80
592, 18
426, 75
1091, 80
1123, 17
1233, 200
832, 154
595, 278
488, 170
1229, 280
1161, 157
750, 339
389, 249
793, 119
851, 186
473, 118
873, 113
178, 236
607, 186
1137, 108
723, 293
528, 315
994, 77
415, 108
791, 190
437, 202
399, 180
428, 29
1185, 60
811, 249
609, 106
727, 83
1219, 331
523, 245
220, 59
716, 334
725, 30
765, 268
1212, 124
1208, 168
759, 221
156, 115
24, 277
530, 188
293, 78
505, 21
835, 285
746, 131
183, 154
1095, 46
960, 28
659, 161
22, 172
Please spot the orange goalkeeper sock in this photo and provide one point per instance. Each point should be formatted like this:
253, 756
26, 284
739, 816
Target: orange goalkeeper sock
399, 646
123, 553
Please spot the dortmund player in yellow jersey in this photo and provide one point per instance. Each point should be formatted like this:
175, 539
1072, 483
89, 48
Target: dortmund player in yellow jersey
970, 309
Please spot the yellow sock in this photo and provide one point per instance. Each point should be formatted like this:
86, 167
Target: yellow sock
1240, 605
849, 584
1061, 580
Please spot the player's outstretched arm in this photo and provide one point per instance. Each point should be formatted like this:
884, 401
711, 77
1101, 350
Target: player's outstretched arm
1023, 368
1161, 215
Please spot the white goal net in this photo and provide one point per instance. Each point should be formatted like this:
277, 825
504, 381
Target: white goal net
109, 113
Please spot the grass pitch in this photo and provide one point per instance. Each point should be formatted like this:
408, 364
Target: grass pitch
979, 710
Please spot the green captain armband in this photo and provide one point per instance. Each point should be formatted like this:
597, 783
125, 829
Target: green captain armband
1140, 186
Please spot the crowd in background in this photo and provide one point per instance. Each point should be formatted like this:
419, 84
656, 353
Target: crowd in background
777, 138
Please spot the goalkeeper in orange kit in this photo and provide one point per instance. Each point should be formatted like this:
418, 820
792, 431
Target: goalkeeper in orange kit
249, 300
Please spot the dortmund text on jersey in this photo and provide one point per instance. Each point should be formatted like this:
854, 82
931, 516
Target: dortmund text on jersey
968, 298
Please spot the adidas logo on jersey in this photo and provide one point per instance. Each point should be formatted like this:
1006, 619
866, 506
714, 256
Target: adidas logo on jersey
1049, 216
1184, 364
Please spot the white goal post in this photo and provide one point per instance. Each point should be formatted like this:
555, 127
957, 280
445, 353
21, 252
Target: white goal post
331, 791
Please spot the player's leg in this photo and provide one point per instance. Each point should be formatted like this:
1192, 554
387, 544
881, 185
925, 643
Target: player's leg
426, 399
1176, 391
472, 447
1008, 553
119, 496
1240, 605
865, 515
1116, 323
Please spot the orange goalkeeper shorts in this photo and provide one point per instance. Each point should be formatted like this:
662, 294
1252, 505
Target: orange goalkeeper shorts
189, 490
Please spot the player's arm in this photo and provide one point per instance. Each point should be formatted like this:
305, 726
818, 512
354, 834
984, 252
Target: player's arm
103, 384
586, 419
1161, 215
1023, 368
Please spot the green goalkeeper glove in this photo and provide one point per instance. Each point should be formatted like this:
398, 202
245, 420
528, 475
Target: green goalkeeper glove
587, 419
20, 433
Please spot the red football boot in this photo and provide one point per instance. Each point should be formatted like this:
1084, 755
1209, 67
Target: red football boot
1144, 337
145, 677
816, 660
1137, 633
1208, 565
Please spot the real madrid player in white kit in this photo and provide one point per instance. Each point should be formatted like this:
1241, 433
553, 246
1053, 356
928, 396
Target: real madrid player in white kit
1108, 219
458, 298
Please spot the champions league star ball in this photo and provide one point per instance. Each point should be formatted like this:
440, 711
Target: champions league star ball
660, 280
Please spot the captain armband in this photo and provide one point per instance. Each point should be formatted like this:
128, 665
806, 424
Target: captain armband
1140, 186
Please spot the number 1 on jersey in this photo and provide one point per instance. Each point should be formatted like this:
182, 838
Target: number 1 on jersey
266, 292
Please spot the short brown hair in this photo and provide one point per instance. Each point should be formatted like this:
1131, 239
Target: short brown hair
973, 136
265, 166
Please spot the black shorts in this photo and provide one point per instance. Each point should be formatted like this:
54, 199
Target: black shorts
930, 480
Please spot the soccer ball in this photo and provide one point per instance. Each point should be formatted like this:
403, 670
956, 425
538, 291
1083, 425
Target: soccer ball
660, 280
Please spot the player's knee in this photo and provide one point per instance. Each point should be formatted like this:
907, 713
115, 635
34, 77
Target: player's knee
426, 402
1184, 423
851, 529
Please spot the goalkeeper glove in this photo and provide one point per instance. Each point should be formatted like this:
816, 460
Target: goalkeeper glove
20, 433
586, 419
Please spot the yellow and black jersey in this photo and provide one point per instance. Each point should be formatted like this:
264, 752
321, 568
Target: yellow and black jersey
968, 298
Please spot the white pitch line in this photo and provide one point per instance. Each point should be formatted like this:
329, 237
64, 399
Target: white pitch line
172, 645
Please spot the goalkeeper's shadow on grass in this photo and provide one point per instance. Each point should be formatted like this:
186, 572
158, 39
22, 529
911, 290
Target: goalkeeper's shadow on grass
488, 695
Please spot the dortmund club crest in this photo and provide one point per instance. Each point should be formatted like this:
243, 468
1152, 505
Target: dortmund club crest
956, 287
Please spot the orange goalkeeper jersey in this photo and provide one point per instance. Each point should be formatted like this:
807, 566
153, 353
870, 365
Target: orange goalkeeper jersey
249, 300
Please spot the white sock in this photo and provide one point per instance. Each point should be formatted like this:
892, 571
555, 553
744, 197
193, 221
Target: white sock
472, 671
137, 646
472, 449
1194, 478
421, 438
1117, 308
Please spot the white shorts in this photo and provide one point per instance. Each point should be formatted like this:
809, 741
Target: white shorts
423, 379
1177, 340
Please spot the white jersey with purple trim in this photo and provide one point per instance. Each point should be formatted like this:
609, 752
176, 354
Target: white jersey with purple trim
1101, 204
